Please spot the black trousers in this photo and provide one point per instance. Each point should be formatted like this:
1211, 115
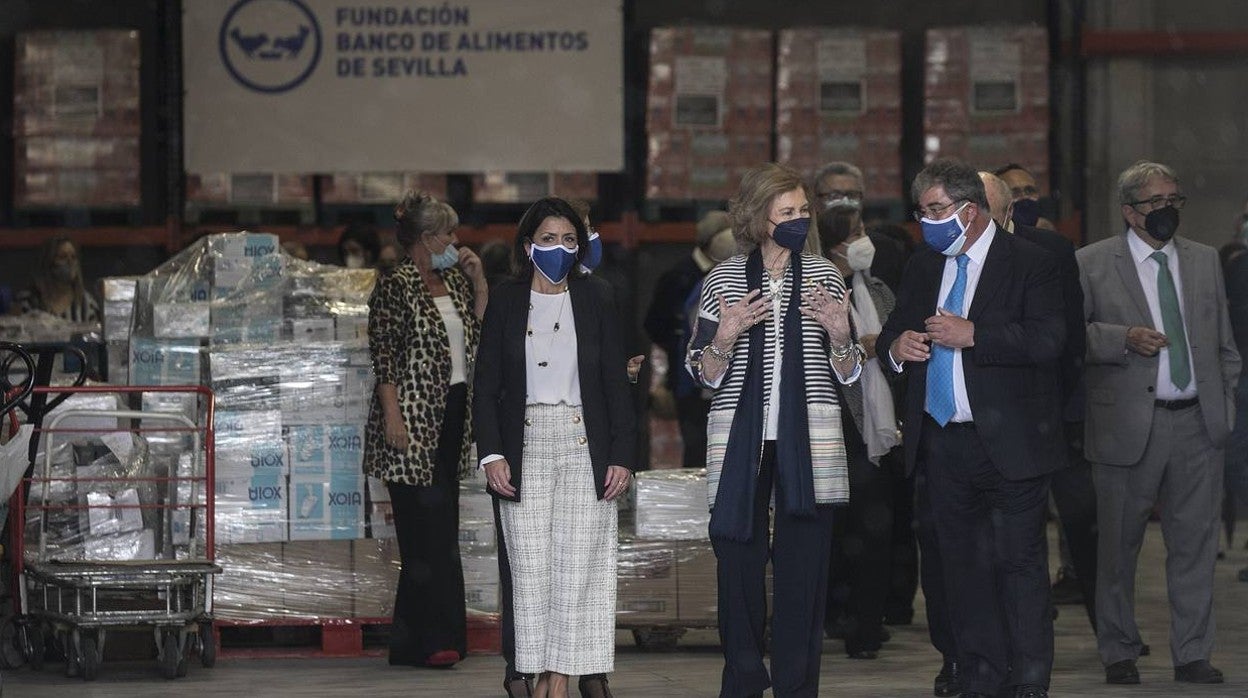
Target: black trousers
903, 580
990, 532
860, 564
931, 572
429, 602
799, 553
1075, 497
691, 414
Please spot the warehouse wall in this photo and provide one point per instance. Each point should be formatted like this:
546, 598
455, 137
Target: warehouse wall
1185, 112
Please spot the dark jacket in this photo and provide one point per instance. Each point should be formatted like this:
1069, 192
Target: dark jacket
666, 321
1011, 374
1070, 367
500, 397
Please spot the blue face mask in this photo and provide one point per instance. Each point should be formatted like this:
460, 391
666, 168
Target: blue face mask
447, 259
1026, 212
594, 257
947, 235
791, 234
553, 261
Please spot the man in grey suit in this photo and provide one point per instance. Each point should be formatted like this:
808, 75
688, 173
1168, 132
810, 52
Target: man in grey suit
1161, 372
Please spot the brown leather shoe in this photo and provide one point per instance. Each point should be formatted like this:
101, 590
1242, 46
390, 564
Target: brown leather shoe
594, 686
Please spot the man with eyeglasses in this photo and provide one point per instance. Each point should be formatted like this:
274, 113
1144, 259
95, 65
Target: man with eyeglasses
1026, 195
978, 328
1161, 371
841, 185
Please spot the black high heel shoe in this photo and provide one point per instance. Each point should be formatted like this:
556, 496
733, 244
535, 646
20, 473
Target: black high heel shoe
594, 686
518, 686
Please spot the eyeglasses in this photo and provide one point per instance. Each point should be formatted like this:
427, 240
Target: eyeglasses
855, 194
933, 211
1158, 201
1027, 191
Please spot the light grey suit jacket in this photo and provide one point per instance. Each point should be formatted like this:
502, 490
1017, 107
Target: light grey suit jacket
1120, 383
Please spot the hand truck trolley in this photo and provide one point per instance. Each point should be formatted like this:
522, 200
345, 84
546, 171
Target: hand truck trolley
115, 529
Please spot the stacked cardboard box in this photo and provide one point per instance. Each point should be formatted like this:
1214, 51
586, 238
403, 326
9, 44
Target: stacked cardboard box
379, 187
76, 118
838, 97
708, 110
986, 96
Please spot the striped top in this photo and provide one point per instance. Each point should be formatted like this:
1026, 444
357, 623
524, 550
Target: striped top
823, 405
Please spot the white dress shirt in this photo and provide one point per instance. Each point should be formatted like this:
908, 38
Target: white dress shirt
1147, 269
977, 253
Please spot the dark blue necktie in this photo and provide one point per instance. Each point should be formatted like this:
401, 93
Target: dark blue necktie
940, 401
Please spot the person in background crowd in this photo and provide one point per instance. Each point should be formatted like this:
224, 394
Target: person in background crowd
593, 259
861, 557
841, 185
978, 327
424, 324
1161, 373
58, 287
1072, 488
555, 431
1235, 267
358, 246
1026, 196
667, 324
389, 252
295, 249
772, 339
496, 258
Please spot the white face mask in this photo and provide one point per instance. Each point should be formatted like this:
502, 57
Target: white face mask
860, 254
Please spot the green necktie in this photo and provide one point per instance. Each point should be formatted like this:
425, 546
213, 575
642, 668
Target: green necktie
1172, 322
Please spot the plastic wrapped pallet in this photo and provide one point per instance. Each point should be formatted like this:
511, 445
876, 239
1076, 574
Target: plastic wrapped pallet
646, 592
708, 110
838, 97
671, 505
281, 344
986, 96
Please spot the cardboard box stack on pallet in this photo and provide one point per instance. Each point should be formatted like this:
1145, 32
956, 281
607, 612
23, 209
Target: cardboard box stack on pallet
666, 564
986, 97
838, 97
524, 187
379, 187
76, 120
708, 110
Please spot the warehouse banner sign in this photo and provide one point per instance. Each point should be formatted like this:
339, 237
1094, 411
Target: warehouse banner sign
369, 86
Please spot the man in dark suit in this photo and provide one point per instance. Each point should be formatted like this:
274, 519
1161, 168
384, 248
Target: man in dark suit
979, 328
1161, 376
1072, 488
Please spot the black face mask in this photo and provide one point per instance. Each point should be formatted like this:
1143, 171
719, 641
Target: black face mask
1162, 223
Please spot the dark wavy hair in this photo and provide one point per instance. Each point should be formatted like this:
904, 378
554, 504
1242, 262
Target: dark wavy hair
542, 209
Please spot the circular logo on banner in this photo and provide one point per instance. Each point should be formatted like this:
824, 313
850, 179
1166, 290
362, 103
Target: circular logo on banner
270, 45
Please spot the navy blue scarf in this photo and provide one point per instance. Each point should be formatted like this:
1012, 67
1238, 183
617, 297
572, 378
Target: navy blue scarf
733, 516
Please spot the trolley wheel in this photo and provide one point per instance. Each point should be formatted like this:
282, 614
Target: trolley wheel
657, 639
170, 656
34, 644
207, 645
89, 657
12, 651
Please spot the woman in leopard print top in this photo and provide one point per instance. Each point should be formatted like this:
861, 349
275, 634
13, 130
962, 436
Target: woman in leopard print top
424, 323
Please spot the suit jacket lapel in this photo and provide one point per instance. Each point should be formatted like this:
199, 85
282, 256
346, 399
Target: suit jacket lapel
1125, 264
581, 313
996, 270
1188, 280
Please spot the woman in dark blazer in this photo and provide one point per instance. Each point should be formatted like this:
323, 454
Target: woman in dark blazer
555, 430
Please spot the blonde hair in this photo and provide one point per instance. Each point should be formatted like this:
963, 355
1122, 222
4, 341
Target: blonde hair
421, 214
758, 191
